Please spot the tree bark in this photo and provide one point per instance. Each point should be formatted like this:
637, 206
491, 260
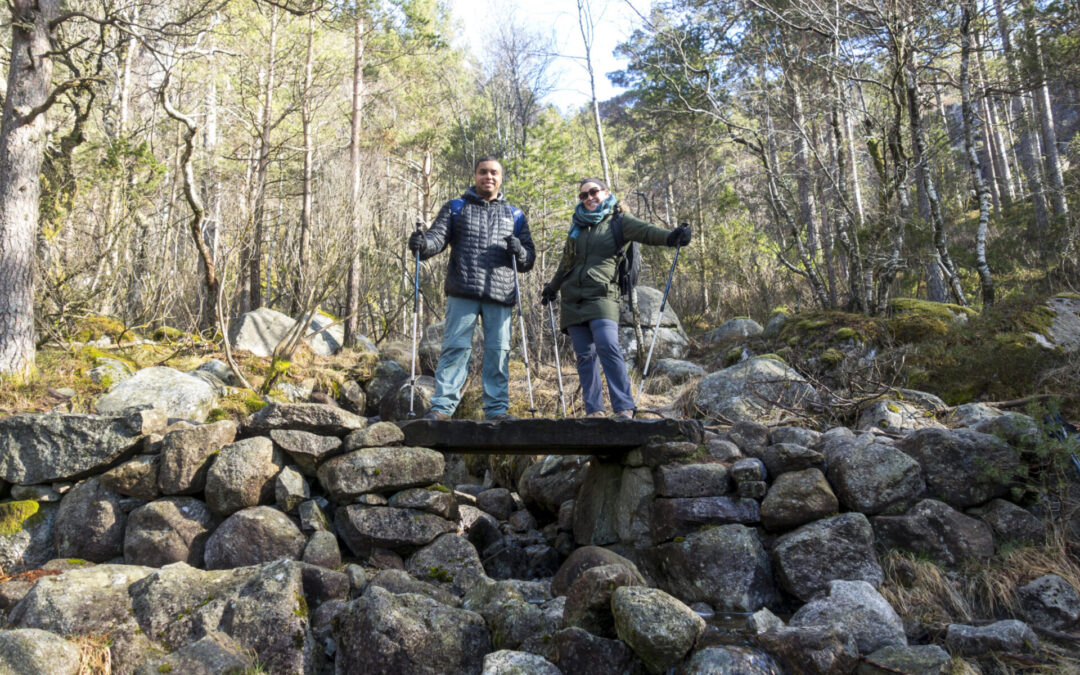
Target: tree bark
585, 23
352, 289
981, 188
22, 146
306, 110
1051, 155
1022, 117
258, 216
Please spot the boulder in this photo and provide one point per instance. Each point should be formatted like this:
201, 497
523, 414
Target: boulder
1049, 602
915, 659
857, 608
62, 447
88, 600
682, 516
108, 372
752, 390
177, 394
896, 416
807, 438
751, 437
935, 529
450, 562
871, 478
692, 480
186, 455
783, 457
219, 371
972, 414
308, 450
325, 335
633, 507
380, 633
1002, 636
137, 477
399, 582
26, 535
259, 331
775, 324
379, 470
322, 550
575, 650
962, 468
32, 650
178, 605
436, 501
1010, 522
395, 404
242, 476
728, 659
508, 662
671, 342
212, 654
588, 601
595, 507
314, 417
380, 434
496, 501
734, 330
1064, 331
366, 527
586, 558
1016, 429
290, 490
173, 529
254, 535
90, 523
388, 375
659, 628
726, 567
676, 371
513, 623
648, 300
841, 547
812, 650
796, 498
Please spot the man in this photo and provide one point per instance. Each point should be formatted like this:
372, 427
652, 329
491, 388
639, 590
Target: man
483, 231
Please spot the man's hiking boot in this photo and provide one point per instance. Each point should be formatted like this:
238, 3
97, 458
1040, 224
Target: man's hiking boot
502, 417
436, 415
598, 413
625, 414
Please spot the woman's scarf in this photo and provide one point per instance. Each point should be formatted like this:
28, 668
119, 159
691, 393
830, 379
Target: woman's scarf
586, 218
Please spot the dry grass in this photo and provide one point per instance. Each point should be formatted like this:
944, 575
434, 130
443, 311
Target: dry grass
992, 587
28, 575
95, 657
922, 591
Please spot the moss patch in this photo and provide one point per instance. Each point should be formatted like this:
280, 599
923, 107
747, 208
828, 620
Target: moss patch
16, 516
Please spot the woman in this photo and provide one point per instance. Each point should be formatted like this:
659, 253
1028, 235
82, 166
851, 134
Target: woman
586, 277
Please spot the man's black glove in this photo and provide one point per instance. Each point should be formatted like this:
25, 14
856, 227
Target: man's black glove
547, 295
680, 236
416, 241
513, 244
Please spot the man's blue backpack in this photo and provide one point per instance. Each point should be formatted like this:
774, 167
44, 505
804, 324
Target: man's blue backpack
457, 204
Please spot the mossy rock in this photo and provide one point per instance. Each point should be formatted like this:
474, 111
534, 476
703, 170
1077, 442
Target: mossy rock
90, 328
848, 334
17, 515
733, 355
832, 357
169, 334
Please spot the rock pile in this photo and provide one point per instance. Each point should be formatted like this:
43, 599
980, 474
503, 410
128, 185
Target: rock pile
309, 540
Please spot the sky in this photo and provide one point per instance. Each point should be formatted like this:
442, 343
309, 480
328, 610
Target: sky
615, 20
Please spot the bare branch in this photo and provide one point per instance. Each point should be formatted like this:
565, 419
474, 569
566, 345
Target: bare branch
30, 115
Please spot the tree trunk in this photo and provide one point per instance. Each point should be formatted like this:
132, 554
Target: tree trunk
804, 178
981, 189
993, 135
22, 146
306, 109
1022, 117
352, 289
1051, 155
921, 160
258, 216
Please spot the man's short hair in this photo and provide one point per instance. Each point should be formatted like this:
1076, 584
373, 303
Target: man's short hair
485, 158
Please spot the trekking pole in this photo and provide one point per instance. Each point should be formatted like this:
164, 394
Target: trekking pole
415, 314
656, 328
524, 344
555, 348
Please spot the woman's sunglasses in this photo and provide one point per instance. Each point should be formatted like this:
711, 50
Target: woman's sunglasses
591, 193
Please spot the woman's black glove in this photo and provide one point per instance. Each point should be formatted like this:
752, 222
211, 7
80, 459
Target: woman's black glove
416, 241
680, 236
549, 294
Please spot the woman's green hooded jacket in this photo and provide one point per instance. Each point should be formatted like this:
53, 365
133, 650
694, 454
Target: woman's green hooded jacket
585, 277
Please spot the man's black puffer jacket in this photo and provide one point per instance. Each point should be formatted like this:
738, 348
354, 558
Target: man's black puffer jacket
479, 261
